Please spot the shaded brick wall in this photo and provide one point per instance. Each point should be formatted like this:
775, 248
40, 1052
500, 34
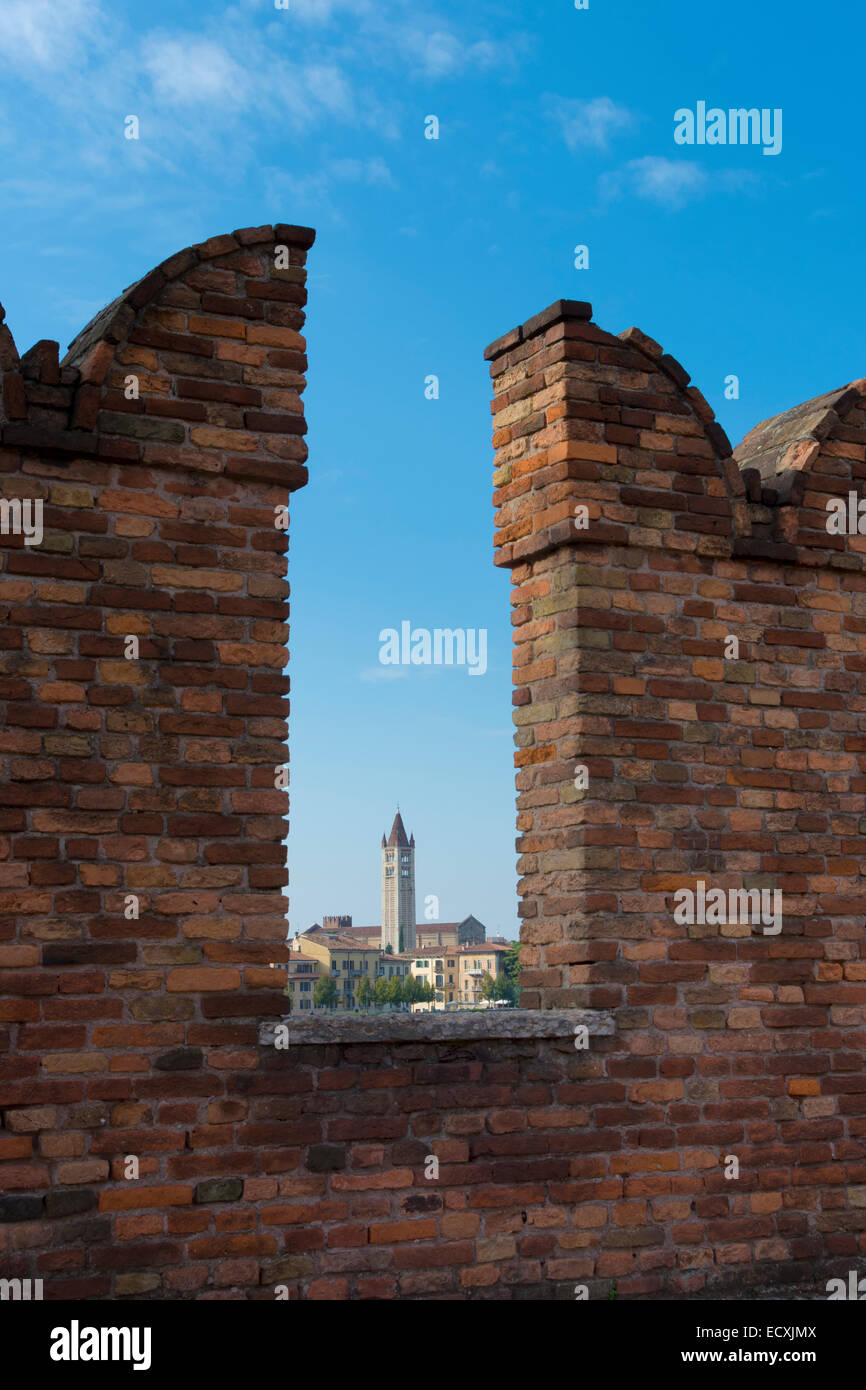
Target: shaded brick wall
742, 770
160, 448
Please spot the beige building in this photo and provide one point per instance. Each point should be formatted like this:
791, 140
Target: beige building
473, 963
301, 974
344, 958
438, 969
349, 959
456, 974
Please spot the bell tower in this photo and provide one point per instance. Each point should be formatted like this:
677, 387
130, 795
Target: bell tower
398, 889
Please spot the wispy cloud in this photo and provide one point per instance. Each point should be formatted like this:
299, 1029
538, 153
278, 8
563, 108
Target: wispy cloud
204, 74
442, 52
44, 34
226, 94
323, 11
315, 190
589, 123
384, 673
191, 71
671, 183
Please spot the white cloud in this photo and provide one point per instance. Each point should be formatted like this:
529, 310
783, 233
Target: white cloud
225, 93
187, 71
192, 71
392, 30
590, 123
315, 190
324, 85
669, 182
441, 53
322, 11
45, 34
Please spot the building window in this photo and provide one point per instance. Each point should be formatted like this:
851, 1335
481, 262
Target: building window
389, 873
404, 873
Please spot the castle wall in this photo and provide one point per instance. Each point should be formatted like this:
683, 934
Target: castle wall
582, 1140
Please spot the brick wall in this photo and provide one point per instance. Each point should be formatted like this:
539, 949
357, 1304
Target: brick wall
160, 448
738, 768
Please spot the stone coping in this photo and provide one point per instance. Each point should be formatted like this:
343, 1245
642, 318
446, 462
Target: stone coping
439, 1026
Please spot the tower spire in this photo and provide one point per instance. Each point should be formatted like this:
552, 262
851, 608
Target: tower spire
398, 888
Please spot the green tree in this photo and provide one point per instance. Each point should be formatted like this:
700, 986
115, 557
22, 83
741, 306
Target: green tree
389, 949
394, 990
365, 992
413, 990
380, 991
511, 971
487, 988
502, 987
505, 988
325, 994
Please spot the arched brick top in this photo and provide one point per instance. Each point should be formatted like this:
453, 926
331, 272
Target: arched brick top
783, 448
185, 332
582, 416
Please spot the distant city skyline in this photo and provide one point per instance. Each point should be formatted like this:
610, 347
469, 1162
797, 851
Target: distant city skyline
356, 904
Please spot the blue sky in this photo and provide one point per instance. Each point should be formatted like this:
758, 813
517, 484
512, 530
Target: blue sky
556, 129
